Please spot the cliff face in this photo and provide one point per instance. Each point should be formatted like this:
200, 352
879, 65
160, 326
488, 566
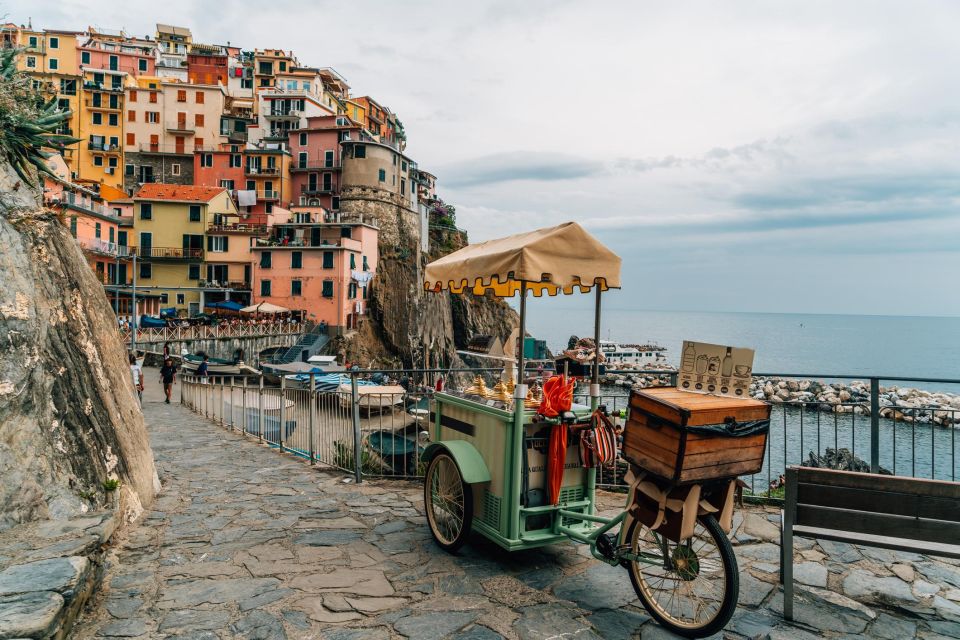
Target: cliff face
407, 326
69, 419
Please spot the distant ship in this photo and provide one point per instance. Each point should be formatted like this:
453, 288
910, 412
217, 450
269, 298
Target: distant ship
638, 355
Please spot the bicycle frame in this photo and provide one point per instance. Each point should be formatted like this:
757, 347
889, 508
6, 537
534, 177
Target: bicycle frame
594, 535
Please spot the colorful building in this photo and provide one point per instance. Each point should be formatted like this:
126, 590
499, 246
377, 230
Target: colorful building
318, 264
175, 44
101, 128
316, 160
266, 183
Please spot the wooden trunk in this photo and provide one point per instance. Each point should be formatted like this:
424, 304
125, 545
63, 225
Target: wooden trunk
665, 436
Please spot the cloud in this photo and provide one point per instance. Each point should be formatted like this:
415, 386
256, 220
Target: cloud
519, 166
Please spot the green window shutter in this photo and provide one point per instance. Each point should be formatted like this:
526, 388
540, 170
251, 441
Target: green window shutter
226, 243
296, 259
328, 288
209, 243
265, 259
328, 260
353, 261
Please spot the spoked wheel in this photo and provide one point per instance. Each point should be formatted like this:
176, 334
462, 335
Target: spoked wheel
448, 501
690, 588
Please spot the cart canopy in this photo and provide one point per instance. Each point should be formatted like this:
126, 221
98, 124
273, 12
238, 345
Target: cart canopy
560, 259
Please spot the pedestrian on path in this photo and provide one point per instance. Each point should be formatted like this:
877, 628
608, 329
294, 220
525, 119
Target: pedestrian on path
137, 374
168, 373
204, 369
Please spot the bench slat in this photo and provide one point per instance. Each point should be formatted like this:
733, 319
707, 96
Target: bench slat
884, 542
875, 523
878, 482
877, 501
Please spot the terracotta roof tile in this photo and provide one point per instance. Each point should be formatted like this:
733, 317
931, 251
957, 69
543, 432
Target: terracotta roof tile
177, 192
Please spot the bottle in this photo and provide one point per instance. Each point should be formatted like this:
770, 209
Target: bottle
689, 358
727, 367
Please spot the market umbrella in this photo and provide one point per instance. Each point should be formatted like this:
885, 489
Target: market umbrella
264, 307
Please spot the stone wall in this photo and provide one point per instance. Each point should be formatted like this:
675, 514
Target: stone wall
162, 168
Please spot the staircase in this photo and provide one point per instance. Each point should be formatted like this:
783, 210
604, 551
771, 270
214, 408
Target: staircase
311, 343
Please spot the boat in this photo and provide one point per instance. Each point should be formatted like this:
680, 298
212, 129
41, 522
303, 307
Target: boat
217, 366
325, 382
244, 409
373, 396
634, 355
273, 372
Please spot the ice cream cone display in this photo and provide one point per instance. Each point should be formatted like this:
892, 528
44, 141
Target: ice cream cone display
502, 393
534, 397
478, 388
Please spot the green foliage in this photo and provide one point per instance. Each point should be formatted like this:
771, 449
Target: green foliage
111, 485
27, 123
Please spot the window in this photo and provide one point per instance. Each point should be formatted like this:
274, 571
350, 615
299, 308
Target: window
31, 62
128, 169
327, 289
84, 57
360, 151
180, 298
403, 165
146, 270
142, 65
113, 162
296, 288
113, 120
133, 95
328, 158
153, 97
68, 87
97, 230
335, 203
328, 259
175, 171
403, 186
296, 259
302, 159
131, 139
383, 175
198, 117
54, 64
218, 244
153, 117
200, 96
54, 42
181, 95
265, 260
236, 160
98, 161
97, 118
193, 272
194, 208
366, 267
352, 290
345, 232
227, 184
131, 115
206, 160
394, 158
146, 211
353, 261
73, 226
264, 287
265, 68
303, 139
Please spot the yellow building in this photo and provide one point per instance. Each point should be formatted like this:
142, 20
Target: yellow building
100, 127
170, 224
356, 111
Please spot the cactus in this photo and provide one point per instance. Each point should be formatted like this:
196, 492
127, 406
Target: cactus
27, 123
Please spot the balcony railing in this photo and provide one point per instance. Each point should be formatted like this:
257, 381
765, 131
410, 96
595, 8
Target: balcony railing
314, 189
97, 245
169, 253
181, 127
235, 285
90, 85
262, 171
99, 104
71, 199
315, 165
254, 229
292, 114
104, 147
268, 195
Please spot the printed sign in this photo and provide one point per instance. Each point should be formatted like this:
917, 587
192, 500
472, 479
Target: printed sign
715, 369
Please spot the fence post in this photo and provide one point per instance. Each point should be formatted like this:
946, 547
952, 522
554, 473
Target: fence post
673, 379
244, 420
260, 411
355, 405
874, 425
221, 402
283, 410
313, 413
232, 400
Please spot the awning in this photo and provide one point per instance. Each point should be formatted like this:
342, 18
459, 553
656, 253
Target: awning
226, 305
264, 307
554, 260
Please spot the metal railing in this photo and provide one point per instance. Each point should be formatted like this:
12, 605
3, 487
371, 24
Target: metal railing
213, 332
379, 434
108, 248
170, 253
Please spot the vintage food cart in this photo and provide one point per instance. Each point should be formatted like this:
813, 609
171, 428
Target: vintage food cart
485, 460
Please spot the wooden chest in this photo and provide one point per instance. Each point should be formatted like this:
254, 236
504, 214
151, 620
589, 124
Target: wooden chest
689, 437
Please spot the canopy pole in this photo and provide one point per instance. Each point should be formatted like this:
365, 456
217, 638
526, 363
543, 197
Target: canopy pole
516, 451
594, 393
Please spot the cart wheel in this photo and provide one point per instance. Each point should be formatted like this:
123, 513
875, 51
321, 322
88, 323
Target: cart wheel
690, 588
449, 502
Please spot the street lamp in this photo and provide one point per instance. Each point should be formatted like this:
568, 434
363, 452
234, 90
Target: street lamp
133, 305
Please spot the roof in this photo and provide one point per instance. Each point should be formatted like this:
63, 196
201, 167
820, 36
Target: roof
177, 192
560, 259
168, 28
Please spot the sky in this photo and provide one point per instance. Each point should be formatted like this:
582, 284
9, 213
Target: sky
791, 156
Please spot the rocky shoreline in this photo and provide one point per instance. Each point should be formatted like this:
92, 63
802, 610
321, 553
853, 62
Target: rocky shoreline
902, 404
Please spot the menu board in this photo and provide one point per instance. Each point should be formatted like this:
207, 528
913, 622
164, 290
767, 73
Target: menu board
715, 369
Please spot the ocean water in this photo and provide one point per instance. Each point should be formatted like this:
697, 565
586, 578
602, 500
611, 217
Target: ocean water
788, 343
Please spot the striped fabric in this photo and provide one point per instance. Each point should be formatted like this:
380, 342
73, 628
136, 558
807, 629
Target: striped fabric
598, 443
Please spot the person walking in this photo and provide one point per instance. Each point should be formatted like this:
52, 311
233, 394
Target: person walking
136, 373
168, 374
203, 371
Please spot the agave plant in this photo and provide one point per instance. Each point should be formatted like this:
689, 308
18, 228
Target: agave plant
27, 124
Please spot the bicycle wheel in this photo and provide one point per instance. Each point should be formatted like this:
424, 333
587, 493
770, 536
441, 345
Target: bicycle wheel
691, 588
448, 501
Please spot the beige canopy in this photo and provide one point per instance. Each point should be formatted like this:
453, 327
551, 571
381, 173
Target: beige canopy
264, 307
557, 259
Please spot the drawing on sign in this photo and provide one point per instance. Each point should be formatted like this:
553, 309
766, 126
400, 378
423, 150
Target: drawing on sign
715, 369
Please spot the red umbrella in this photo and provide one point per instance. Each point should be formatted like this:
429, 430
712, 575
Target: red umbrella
557, 398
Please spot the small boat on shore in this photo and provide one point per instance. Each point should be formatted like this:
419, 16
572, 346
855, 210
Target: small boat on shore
373, 397
216, 366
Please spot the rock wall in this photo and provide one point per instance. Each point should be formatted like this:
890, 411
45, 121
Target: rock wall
69, 420
406, 326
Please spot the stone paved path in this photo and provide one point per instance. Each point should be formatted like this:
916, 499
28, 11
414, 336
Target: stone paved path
244, 542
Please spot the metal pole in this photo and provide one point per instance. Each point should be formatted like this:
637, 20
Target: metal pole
594, 393
232, 400
516, 449
283, 410
133, 307
875, 425
355, 404
220, 408
313, 413
260, 411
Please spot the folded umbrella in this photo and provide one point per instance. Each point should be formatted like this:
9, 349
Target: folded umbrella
556, 457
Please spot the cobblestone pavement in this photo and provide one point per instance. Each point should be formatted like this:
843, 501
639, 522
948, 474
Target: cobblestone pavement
245, 542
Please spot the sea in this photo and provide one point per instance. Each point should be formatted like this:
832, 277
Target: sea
822, 345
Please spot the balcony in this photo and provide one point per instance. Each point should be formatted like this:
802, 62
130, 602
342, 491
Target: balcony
317, 189
319, 165
170, 254
83, 204
292, 114
278, 135
238, 227
103, 147
237, 137
262, 171
112, 249
268, 195
90, 103
181, 128
90, 85
166, 149
222, 285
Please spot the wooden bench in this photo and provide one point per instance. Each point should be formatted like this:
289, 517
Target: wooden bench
905, 514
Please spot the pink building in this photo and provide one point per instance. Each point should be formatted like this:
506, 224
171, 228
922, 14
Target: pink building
321, 268
315, 160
